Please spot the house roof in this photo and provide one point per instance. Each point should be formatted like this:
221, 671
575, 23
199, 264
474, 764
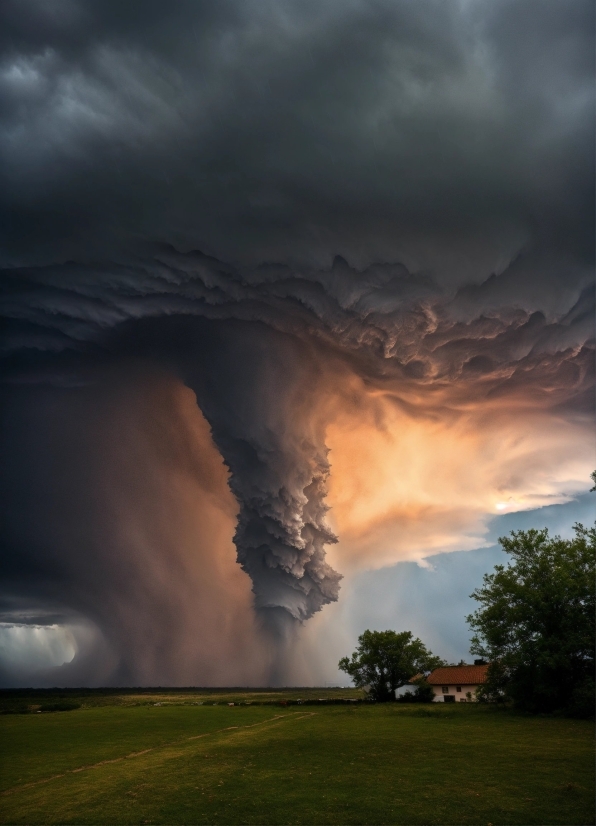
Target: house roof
458, 675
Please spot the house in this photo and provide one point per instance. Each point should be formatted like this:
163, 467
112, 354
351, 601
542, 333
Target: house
457, 683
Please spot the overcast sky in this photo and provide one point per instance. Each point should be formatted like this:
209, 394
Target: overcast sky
305, 285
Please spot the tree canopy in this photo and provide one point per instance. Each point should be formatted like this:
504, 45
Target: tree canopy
536, 622
387, 660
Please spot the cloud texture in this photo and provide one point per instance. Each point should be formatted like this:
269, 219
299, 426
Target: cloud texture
395, 207
443, 135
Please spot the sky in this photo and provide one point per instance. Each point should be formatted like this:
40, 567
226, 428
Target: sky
297, 309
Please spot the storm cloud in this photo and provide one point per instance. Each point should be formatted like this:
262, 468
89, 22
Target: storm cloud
235, 235
446, 136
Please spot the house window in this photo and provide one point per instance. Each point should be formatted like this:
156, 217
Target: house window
458, 688
445, 689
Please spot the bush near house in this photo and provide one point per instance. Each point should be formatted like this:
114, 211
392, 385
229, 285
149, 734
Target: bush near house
422, 694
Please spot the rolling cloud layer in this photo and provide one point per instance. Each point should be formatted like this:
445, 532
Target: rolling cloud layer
394, 203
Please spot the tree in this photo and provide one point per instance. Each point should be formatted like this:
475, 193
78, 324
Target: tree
535, 625
386, 660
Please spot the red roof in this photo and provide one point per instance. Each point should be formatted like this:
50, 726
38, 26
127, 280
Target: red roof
458, 675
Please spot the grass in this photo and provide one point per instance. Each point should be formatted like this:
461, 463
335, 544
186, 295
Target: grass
264, 764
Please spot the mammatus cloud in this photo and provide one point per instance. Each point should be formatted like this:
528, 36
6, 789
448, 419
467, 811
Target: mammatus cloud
395, 203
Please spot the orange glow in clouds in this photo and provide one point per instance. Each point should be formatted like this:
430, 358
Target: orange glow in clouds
408, 482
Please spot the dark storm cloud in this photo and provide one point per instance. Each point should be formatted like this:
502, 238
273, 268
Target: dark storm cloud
445, 135
419, 173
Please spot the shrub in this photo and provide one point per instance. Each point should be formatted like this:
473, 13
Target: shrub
62, 705
423, 694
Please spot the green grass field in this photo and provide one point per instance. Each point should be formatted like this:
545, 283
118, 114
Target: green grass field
122, 759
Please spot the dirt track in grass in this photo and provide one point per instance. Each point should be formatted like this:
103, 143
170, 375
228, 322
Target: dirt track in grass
258, 765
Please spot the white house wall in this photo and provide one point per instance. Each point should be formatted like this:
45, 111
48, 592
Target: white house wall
459, 695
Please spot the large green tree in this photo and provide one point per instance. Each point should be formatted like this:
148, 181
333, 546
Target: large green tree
386, 660
536, 622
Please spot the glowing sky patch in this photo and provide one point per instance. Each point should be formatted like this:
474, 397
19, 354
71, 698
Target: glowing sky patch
34, 647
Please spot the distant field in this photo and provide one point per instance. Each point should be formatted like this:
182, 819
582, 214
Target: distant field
122, 759
12, 700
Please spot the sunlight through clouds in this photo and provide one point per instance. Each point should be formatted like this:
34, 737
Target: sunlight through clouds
33, 647
409, 485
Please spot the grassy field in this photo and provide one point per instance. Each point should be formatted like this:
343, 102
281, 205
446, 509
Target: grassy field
122, 759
